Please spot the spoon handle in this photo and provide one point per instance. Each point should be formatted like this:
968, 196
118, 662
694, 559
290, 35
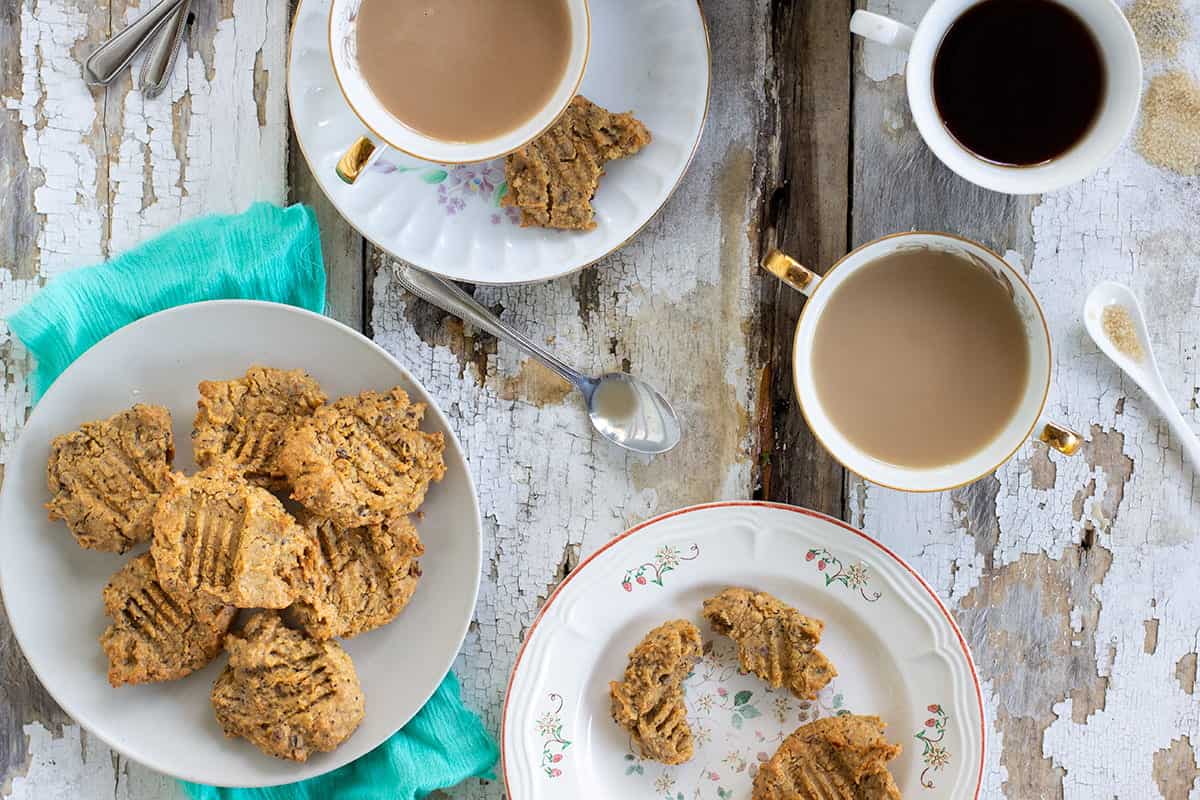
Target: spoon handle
106, 61
158, 66
448, 297
1188, 441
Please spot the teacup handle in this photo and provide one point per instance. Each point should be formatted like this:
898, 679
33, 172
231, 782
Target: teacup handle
791, 272
881, 29
1060, 438
357, 158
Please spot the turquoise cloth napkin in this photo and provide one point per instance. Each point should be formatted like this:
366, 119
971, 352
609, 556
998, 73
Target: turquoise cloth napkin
266, 253
443, 745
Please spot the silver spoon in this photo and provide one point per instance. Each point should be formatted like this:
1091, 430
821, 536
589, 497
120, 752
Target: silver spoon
1143, 369
623, 409
158, 66
106, 61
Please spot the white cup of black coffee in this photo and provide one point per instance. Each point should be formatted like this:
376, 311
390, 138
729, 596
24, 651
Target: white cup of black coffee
1018, 96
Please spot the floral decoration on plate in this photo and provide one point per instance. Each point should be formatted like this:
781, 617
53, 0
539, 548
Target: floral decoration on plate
854, 576
554, 746
460, 184
935, 756
667, 559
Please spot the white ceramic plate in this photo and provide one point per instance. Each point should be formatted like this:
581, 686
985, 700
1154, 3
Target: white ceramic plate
648, 57
52, 587
899, 655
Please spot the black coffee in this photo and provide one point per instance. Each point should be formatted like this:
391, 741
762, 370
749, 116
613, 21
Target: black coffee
1019, 82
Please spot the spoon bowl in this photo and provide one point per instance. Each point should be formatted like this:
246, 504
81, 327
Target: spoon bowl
631, 413
1144, 370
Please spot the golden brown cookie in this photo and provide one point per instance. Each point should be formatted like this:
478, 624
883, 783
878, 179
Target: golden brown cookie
363, 459
649, 702
217, 538
286, 693
152, 637
105, 477
246, 420
774, 641
553, 178
363, 577
835, 758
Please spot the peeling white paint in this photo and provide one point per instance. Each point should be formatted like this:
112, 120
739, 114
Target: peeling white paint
78, 766
14, 390
1133, 223
59, 113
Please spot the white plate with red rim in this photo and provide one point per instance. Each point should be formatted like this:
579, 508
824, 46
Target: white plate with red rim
649, 58
898, 652
52, 587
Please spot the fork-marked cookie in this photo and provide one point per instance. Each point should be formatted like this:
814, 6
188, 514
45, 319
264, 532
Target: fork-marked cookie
106, 476
774, 641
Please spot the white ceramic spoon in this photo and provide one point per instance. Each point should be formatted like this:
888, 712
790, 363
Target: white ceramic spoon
1144, 371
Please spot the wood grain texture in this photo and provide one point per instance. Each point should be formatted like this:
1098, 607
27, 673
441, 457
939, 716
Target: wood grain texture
806, 168
344, 250
1067, 575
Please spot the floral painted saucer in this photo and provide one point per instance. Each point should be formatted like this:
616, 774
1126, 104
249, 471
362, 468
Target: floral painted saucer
649, 58
898, 653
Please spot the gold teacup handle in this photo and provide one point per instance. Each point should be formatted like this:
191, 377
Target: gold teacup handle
790, 271
1061, 438
357, 158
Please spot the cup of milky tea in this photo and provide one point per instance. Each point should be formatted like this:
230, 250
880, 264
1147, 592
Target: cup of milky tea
455, 81
921, 361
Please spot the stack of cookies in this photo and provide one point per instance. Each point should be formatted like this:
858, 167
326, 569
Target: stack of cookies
345, 561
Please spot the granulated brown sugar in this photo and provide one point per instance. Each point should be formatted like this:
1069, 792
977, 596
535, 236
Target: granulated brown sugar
1170, 131
1160, 26
1120, 330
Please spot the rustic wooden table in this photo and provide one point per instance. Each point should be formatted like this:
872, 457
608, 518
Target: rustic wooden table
1074, 579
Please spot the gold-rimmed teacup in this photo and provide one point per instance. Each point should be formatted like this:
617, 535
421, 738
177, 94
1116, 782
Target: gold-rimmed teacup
383, 130
1025, 421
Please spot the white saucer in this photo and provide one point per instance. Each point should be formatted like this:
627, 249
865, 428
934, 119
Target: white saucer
52, 587
898, 653
651, 58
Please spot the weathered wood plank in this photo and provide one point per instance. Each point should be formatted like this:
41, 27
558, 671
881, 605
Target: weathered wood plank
1066, 574
804, 212
343, 248
90, 173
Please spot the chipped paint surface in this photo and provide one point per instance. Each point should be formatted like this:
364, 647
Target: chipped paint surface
88, 173
75, 765
1070, 576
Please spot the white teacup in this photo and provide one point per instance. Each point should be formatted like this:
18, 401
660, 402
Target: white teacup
1019, 428
383, 129
1122, 61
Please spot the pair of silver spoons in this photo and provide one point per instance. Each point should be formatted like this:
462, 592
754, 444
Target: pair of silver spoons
165, 25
